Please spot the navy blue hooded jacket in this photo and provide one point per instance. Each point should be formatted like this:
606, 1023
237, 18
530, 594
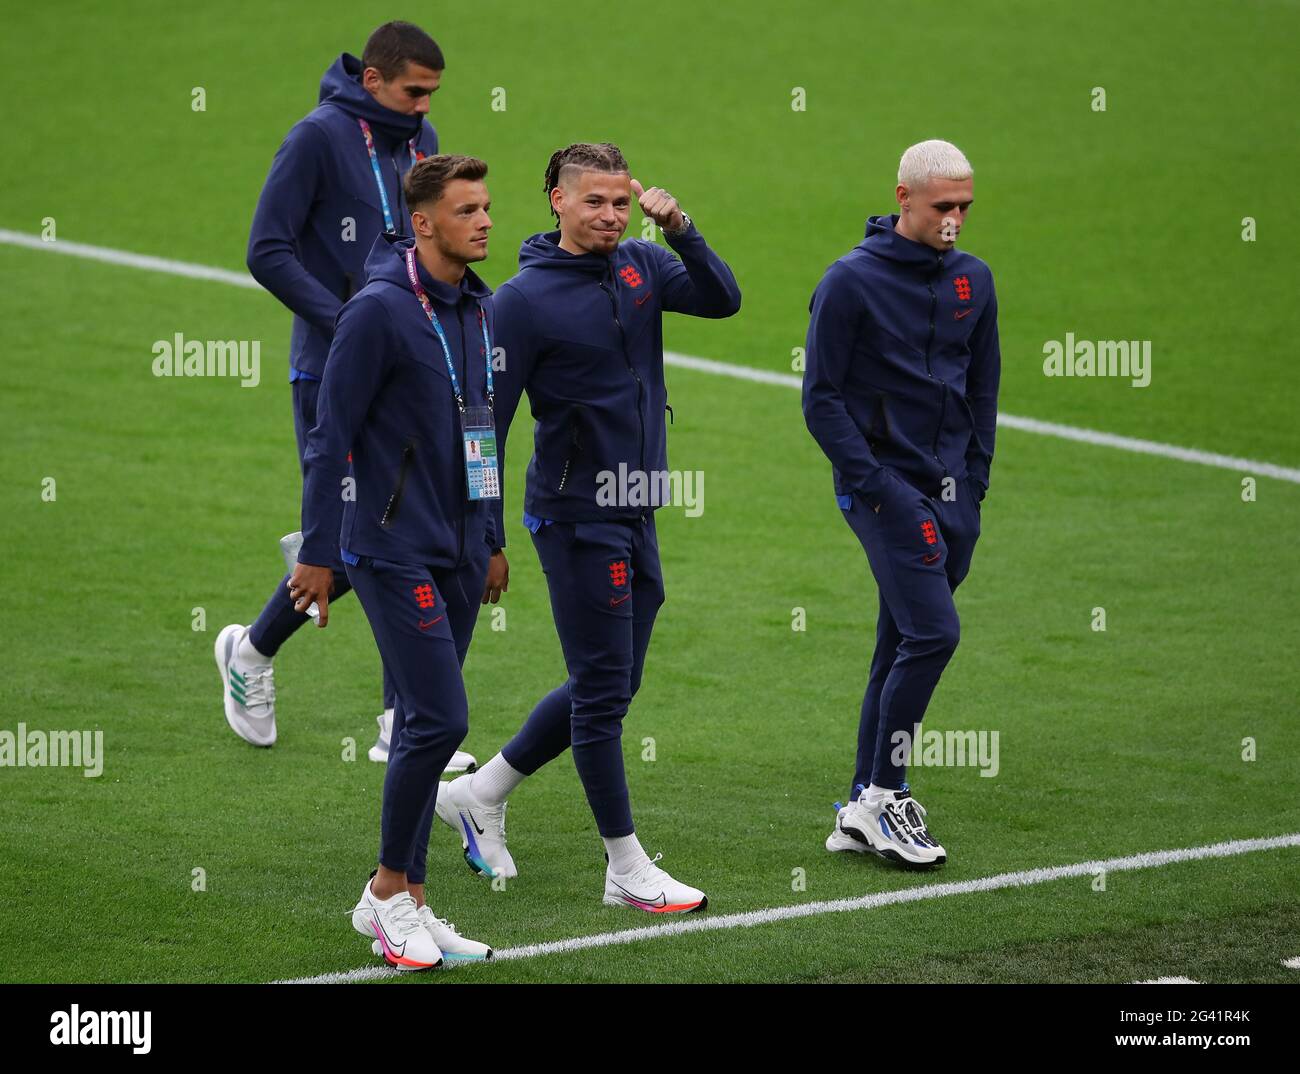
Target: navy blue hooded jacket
583, 335
320, 178
903, 365
386, 398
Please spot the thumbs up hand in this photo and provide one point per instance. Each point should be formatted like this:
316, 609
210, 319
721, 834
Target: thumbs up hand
660, 206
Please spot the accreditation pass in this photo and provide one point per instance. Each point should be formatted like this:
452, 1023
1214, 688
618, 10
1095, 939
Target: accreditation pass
479, 436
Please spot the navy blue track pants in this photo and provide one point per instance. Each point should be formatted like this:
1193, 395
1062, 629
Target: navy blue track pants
919, 549
422, 619
606, 588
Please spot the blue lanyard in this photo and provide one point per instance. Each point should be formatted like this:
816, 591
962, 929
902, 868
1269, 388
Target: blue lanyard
414, 277
379, 179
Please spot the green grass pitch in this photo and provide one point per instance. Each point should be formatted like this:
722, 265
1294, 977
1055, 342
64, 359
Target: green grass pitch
1123, 224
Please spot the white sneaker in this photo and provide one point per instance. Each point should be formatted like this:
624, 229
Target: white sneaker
379, 751
454, 946
650, 888
248, 691
460, 760
894, 827
482, 828
848, 831
399, 934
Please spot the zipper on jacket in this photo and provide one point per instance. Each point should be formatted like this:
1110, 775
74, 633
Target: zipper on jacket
464, 373
390, 511
574, 447
640, 418
402, 214
929, 342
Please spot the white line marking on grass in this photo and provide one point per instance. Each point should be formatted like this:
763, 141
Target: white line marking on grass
1292, 963
1151, 860
1169, 980
130, 260
1027, 425
726, 369
701, 365
1150, 447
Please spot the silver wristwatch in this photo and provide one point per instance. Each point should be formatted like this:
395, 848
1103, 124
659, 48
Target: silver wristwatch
686, 226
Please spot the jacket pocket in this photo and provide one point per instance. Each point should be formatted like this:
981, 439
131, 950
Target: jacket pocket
395, 500
879, 429
901, 498
573, 446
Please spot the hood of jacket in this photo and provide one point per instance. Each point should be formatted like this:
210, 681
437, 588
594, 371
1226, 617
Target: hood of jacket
883, 241
387, 262
543, 251
341, 86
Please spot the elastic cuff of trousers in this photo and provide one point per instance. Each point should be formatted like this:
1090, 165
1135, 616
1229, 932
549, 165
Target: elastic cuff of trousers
263, 644
619, 833
257, 642
517, 763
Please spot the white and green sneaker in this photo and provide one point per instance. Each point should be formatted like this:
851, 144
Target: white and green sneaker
248, 690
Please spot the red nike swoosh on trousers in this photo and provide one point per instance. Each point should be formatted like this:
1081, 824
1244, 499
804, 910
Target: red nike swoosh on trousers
426, 626
960, 314
931, 559
614, 603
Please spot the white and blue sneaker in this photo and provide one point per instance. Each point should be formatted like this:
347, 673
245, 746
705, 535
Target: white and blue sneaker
893, 827
849, 833
481, 827
460, 760
454, 947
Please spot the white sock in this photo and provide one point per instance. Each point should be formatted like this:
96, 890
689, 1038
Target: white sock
493, 782
874, 795
625, 853
246, 652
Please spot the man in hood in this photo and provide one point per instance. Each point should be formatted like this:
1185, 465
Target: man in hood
392, 487
901, 393
335, 184
581, 331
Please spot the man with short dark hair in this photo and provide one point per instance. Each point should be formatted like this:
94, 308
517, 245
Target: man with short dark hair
392, 487
335, 184
581, 330
901, 392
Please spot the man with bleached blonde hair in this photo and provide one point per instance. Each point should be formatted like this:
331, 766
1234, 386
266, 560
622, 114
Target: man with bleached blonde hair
901, 394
